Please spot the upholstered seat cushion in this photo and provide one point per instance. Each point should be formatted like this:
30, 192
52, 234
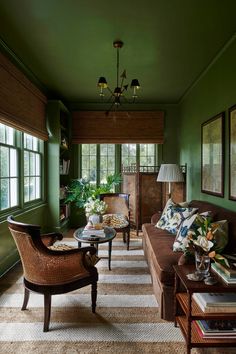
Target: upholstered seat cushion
91, 259
118, 221
160, 247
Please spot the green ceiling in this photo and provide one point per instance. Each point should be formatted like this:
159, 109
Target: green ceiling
67, 44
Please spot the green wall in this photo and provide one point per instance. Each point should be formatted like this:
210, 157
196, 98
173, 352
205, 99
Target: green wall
214, 92
8, 252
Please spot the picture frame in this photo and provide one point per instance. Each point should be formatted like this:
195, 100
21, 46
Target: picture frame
212, 156
232, 153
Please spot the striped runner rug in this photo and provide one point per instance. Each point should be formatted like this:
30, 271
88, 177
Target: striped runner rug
126, 319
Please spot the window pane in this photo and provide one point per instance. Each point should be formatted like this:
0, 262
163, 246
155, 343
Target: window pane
147, 154
128, 154
37, 187
13, 163
111, 149
26, 163
85, 174
2, 133
14, 192
111, 163
103, 163
107, 161
32, 188
32, 168
103, 149
9, 136
93, 149
4, 153
26, 189
32, 164
35, 144
85, 149
4, 192
37, 164
132, 149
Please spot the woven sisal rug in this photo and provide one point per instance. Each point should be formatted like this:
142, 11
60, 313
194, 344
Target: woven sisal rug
126, 319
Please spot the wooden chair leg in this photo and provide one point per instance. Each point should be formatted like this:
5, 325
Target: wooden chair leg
124, 237
128, 238
47, 311
26, 299
94, 296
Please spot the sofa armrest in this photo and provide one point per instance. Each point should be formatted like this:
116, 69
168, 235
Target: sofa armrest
156, 217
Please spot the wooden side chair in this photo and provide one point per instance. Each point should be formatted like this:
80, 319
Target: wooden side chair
48, 271
118, 213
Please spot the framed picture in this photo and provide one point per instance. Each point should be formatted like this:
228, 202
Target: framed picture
232, 153
212, 156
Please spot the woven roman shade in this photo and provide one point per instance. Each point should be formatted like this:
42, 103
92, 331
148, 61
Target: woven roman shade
118, 127
22, 104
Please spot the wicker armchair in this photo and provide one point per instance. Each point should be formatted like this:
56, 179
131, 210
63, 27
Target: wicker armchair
50, 272
118, 204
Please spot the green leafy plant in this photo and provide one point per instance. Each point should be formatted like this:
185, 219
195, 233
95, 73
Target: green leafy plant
81, 190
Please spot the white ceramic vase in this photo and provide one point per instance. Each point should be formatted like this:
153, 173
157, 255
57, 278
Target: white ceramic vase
95, 219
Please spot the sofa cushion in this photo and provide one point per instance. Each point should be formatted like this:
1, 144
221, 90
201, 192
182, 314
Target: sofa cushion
159, 245
190, 223
173, 216
117, 221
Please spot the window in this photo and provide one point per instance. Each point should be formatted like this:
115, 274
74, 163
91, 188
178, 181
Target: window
147, 155
9, 179
89, 162
139, 154
97, 161
20, 168
32, 168
128, 153
107, 161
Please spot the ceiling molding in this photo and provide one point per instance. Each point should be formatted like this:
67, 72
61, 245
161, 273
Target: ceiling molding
204, 72
21, 66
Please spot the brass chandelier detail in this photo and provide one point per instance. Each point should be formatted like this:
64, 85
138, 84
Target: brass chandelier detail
117, 94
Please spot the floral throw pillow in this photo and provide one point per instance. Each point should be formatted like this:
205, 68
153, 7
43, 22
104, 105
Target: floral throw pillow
173, 217
190, 223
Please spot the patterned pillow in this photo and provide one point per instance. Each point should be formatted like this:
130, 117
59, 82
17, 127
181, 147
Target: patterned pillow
189, 223
117, 221
171, 202
173, 217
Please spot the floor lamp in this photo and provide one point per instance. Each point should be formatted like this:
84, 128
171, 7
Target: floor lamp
170, 173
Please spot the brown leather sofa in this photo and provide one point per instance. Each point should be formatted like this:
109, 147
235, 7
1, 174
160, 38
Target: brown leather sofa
158, 249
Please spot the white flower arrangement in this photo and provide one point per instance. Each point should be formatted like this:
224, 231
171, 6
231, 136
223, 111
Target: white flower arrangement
95, 206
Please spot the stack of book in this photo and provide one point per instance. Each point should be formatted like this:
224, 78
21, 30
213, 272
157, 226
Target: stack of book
216, 302
227, 274
88, 233
216, 328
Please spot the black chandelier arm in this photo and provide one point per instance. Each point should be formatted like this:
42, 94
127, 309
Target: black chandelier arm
108, 111
117, 66
110, 90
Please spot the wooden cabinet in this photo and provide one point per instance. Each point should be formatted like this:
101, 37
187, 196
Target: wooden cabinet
59, 152
147, 196
187, 310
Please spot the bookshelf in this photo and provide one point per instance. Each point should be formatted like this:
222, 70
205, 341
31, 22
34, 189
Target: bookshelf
59, 158
187, 310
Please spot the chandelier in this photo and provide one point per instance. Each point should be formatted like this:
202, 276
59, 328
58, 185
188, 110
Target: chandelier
117, 94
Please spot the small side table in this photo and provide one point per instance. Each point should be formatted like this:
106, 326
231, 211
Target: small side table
110, 234
187, 310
